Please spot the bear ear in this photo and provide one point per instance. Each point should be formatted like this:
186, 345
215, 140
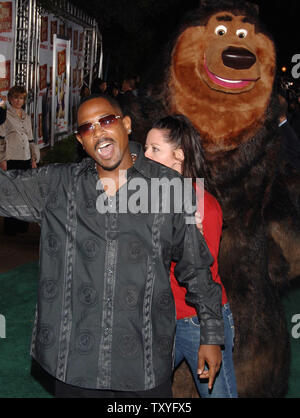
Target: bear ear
229, 3
255, 7
206, 3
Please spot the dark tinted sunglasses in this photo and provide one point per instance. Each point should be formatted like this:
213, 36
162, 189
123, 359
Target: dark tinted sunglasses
88, 129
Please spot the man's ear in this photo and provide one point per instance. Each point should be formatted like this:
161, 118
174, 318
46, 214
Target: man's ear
179, 155
127, 124
78, 137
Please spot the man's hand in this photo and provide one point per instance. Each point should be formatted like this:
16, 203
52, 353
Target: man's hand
212, 356
199, 220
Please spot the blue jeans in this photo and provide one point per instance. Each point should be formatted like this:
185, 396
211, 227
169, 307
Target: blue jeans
186, 347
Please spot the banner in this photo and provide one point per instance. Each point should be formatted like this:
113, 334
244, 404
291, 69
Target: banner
60, 86
44, 87
77, 62
7, 28
52, 26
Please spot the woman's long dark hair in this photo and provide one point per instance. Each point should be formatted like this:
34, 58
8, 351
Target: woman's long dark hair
180, 132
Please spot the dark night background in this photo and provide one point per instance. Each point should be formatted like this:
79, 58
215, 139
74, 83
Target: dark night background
135, 30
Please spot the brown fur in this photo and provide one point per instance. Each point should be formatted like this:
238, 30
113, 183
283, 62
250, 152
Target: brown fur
238, 130
239, 112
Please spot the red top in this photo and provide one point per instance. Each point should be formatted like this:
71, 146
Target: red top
212, 230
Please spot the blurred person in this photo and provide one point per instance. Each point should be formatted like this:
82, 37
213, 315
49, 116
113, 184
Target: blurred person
20, 150
99, 86
128, 85
130, 105
113, 90
84, 92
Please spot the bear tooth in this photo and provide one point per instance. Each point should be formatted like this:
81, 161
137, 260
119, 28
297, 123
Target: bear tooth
229, 81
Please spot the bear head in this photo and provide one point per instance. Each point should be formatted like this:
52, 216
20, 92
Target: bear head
221, 74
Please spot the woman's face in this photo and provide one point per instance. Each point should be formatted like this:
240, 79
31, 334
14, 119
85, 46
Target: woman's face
161, 151
17, 101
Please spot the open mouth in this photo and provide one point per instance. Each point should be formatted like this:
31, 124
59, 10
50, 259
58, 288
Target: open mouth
105, 149
224, 82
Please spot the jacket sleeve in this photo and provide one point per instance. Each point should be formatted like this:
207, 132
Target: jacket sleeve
192, 271
23, 193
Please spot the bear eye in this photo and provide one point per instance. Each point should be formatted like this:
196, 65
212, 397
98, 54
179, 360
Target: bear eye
242, 33
221, 30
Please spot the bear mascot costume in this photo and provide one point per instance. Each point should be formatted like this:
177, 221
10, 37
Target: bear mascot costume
220, 71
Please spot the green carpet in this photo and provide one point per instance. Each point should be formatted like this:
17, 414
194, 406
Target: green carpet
22, 378
19, 377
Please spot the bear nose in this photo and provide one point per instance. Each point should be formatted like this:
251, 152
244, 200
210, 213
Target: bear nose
238, 58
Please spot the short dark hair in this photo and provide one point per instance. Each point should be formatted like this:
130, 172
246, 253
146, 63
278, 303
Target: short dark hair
180, 132
106, 97
16, 91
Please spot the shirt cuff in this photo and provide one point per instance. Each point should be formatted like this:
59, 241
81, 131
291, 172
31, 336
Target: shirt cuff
212, 331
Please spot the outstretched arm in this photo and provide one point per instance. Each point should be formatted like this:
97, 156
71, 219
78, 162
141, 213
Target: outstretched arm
22, 193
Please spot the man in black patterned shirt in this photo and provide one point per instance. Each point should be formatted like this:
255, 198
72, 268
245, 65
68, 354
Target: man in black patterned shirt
105, 320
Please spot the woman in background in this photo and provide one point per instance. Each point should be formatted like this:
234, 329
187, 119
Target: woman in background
19, 145
174, 142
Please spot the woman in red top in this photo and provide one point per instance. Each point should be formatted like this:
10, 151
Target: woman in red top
174, 142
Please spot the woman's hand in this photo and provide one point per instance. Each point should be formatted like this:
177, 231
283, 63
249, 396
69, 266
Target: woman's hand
33, 164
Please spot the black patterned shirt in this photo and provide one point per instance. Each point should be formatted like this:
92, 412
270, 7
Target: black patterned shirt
105, 316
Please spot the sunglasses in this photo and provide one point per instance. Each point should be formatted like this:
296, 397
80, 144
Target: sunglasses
88, 129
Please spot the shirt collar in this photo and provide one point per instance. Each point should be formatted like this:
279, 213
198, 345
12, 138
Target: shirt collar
142, 164
11, 110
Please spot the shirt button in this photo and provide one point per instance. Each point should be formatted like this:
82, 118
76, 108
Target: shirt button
112, 235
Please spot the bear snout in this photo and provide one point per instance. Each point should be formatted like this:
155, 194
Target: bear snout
238, 58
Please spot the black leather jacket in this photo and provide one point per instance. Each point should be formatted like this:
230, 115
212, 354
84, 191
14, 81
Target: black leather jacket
106, 317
